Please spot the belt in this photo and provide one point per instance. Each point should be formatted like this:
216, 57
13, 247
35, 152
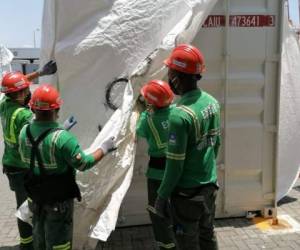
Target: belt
157, 163
13, 170
56, 207
194, 191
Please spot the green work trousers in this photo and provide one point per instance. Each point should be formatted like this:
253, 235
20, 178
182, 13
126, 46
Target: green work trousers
16, 183
53, 225
162, 228
193, 217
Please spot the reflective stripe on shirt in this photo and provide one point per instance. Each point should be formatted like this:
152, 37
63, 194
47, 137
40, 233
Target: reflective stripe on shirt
155, 133
51, 163
195, 120
12, 138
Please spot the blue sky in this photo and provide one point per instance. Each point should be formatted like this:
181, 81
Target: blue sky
20, 18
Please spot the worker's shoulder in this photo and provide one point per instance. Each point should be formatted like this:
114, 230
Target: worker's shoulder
64, 135
3, 101
178, 114
7, 105
144, 114
64, 138
208, 97
24, 113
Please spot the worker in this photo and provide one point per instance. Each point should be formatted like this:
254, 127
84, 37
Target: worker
153, 125
190, 179
15, 114
53, 155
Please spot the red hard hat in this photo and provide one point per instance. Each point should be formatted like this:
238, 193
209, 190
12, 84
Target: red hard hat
187, 59
45, 97
13, 82
157, 93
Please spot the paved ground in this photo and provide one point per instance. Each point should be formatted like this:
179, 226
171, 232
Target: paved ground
8, 224
233, 234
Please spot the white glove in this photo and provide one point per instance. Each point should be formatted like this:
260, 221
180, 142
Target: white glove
108, 145
69, 123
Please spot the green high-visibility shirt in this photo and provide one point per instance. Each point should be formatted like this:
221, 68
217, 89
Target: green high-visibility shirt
154, 127
58, 150
194, 140
13, 118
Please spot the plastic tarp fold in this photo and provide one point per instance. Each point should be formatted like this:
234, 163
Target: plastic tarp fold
289, 112
97, 44
6, 56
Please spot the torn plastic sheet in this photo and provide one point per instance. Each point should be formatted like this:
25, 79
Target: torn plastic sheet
24, 213
104, 41
289, 112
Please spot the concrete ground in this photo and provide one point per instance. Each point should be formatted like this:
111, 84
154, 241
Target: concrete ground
238, 233
233, 234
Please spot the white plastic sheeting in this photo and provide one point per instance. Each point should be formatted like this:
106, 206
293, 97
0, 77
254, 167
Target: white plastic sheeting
108, 40
6, 56
289, 112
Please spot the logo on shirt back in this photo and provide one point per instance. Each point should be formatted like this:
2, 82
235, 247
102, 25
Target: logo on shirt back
165, 124
172, 138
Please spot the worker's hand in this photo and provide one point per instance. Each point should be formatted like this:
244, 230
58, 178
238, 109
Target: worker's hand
69, 123
48, 69
108, 145
141, 103
162, 207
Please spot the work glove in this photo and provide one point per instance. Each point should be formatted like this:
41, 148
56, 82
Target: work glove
69, 123
48, 69
140, 104
108, 145
162, 207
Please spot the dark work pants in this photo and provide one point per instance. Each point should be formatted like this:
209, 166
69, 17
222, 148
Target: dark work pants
194, 218
53, 225
16, 183
162, 228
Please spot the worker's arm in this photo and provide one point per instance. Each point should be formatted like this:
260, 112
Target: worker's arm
215, 130
24, 117
75, 156
178, 137
32, 76
48, 69
141, 127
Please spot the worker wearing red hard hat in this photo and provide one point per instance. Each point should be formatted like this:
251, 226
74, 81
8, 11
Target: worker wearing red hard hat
15, 114
190, 179
52, 155
153, 125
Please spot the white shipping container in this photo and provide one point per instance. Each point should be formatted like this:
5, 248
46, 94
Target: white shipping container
241, 41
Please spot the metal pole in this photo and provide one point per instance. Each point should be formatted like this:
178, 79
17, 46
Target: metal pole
299, 12
34, 37
34, 44
288, 9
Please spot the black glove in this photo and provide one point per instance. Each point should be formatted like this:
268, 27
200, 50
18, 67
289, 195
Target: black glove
48, 69
162, 207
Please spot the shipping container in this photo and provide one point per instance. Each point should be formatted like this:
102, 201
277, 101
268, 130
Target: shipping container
241, 41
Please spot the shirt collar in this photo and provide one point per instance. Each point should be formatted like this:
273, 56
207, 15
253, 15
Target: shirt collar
189, 94
45, 124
